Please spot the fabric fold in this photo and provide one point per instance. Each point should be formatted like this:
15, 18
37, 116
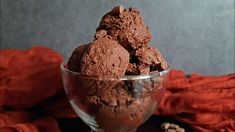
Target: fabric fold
24, 121
206, 103
28, 76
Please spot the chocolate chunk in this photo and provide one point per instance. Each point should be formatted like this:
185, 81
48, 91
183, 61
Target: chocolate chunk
100, 34
117, 10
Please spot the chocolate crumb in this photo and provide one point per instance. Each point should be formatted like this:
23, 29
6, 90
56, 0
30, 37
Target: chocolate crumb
170, 127
117, 10
100, 34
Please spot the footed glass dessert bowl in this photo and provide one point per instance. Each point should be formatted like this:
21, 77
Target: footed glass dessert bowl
117, 104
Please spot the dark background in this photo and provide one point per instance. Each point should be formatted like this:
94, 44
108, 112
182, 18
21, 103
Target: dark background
194, 35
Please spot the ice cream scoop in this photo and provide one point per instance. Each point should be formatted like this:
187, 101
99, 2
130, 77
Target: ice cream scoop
126, 26
146, 59
103, 57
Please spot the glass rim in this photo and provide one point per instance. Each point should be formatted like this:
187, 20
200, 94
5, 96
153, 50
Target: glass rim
125, 77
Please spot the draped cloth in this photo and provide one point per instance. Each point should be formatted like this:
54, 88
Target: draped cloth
32, 96
206, 103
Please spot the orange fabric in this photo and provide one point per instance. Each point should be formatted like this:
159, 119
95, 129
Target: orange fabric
206, 103
32, 95
22, 121
20, 128
11, 118
28, 76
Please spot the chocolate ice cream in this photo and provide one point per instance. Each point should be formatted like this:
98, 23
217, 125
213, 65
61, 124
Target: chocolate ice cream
105, 57
145, 60
126, 26
152, 57
117, 105
120, 47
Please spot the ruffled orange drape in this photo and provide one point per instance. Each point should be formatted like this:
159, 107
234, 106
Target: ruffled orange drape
206, 103
32, 96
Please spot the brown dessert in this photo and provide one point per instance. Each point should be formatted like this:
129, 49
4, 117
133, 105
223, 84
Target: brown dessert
121, 47
126, 26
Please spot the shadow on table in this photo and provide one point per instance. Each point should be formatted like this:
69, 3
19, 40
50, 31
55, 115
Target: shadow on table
151, 125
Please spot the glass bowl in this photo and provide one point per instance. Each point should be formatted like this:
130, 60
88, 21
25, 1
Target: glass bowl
117, 104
